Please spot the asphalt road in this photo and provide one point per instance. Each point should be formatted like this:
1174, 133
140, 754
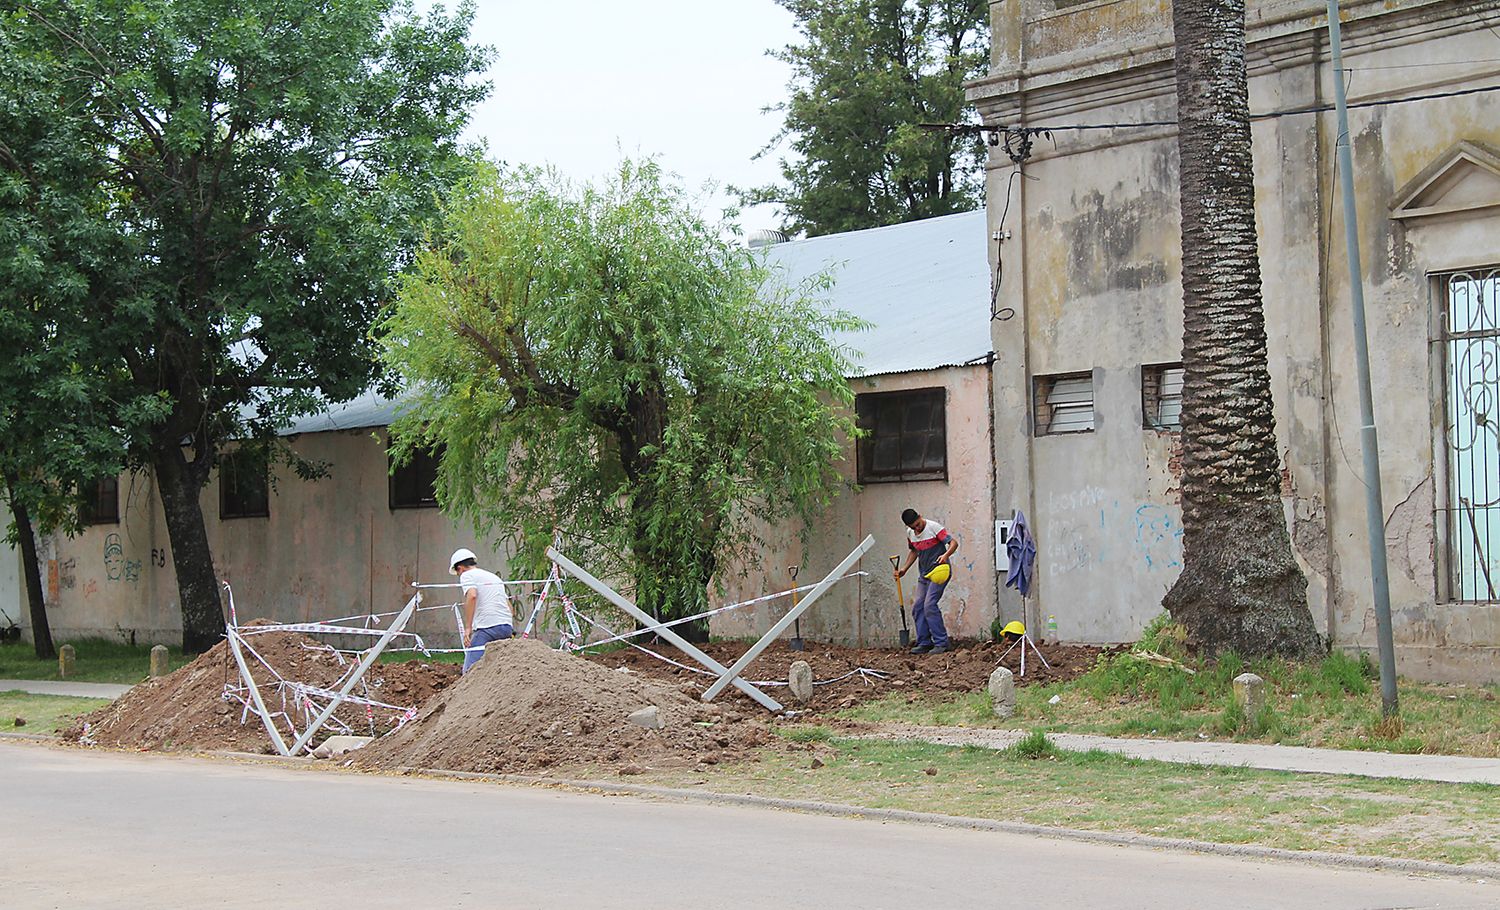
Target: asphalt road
110, 830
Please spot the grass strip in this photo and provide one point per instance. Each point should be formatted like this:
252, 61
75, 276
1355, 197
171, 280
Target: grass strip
43, 714
1036, 783
97, 660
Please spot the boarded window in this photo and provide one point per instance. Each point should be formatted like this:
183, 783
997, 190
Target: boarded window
1161, 396
101, 503
1064, 403
1469, 515
244, 489
414, 484
906, 435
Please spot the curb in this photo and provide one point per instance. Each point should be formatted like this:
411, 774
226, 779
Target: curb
1475, 872
32, 737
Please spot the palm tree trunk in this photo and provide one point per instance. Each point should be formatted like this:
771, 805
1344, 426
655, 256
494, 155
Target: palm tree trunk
1240, 587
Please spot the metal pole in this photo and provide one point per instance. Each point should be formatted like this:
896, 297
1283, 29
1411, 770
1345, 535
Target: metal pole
1368, 440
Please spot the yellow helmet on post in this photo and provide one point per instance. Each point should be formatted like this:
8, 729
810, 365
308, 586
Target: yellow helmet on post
1014, 627
939, 574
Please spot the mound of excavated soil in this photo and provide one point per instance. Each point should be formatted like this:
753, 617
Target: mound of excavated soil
526, 707
185, 709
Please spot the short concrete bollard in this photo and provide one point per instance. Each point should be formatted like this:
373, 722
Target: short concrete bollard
161, 663
1250, 692
1003, 692
800, 680
67, 661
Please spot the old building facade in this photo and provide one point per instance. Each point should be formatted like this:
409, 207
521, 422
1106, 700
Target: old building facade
1085, 236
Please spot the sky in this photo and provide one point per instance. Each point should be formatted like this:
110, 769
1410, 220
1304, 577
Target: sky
579, 84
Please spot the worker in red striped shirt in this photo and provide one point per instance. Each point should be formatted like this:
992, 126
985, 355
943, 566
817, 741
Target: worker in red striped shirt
929, 545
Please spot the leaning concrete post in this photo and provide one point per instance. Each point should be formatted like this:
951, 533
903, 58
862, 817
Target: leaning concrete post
160, 663
67, 661
1250, 692
800, 680
1003, 692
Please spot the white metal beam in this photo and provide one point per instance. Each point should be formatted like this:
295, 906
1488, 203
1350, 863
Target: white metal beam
732, 674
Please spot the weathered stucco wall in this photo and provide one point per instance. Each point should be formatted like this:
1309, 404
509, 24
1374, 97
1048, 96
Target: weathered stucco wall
1092, 270
333, 547
863, 610
329, 548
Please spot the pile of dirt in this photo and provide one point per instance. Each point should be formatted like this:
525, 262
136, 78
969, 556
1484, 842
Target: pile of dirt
966, 668
526, 707
185, 710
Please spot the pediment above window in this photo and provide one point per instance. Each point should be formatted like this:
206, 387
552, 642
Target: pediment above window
1465, 179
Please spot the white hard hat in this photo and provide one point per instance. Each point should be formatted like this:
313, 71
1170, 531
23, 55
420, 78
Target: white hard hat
462, 554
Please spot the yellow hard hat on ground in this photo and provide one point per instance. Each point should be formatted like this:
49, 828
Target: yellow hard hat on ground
1014, 627
939, 574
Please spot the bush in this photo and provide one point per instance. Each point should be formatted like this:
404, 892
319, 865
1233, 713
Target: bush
1032, 747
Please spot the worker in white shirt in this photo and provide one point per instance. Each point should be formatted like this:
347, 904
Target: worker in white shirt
486, 610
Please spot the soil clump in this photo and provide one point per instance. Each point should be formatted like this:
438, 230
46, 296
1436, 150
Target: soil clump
525, 707
185, 710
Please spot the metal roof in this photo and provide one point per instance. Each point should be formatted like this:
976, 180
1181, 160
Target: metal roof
923, 286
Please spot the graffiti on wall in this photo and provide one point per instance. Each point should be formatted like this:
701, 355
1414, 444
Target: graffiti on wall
66, 577
159, 557
1072, 544
114, 557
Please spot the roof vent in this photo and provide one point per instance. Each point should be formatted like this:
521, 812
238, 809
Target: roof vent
765, 238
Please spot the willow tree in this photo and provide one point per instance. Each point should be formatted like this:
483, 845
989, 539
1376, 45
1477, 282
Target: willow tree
603, 361
1240, 586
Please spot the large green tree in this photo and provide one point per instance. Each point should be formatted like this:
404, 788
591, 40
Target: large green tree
1240, 586
265, 167
603, 361
61, 421
864, 78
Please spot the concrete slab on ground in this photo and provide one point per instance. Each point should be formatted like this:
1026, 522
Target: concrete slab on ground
1458, 769
52, 687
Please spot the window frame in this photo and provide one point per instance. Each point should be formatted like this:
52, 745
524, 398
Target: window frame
869, 402
89, 514
230, 466
392, 470
1153, 381
1041, 390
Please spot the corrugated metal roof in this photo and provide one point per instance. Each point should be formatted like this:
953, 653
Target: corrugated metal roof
924, 286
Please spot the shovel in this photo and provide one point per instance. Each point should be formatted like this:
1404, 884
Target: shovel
901, 599
796, 644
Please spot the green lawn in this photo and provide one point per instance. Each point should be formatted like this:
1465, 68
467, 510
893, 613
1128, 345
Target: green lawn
1332, 703
1095, 791
43, 713
98, 660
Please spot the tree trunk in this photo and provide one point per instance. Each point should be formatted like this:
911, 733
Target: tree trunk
180, 483
41, 630
1240, 587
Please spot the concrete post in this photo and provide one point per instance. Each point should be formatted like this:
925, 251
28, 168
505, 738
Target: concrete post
161, 663
1250, 692
800, 680
1003, 692
67, 661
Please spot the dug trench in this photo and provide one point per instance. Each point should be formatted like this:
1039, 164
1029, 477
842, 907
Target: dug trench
529, 709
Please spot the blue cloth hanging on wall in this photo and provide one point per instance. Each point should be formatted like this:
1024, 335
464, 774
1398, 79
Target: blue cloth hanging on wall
1020, 548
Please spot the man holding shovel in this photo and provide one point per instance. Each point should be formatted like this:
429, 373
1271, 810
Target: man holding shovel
929, 545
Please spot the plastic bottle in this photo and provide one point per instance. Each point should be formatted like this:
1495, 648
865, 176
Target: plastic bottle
1051, 628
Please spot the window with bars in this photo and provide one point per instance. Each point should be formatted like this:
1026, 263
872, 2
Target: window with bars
1064, 403
1161, 396
906, 436
414, 484
101, 503
244, 487
1469, 514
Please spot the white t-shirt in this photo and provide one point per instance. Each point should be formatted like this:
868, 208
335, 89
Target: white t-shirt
492, 607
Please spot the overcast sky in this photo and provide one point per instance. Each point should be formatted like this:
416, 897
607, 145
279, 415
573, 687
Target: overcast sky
576, 84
